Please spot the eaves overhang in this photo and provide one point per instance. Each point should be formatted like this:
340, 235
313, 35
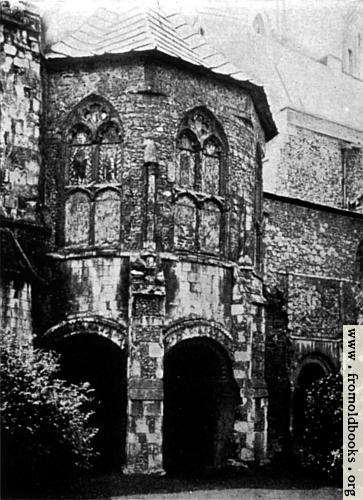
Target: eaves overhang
234, 77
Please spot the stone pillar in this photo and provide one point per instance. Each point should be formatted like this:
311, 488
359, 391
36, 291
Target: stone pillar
250, 428
145, 370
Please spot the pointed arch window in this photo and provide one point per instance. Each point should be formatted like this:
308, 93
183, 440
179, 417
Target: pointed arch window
93, 161
94, 140
201, 172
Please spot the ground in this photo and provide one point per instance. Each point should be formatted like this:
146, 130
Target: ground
244, 494
270, 483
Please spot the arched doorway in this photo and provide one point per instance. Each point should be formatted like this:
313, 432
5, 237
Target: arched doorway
200, 395
99, 361
312, 369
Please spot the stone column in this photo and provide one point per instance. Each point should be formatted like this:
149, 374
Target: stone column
248, 322
145, 370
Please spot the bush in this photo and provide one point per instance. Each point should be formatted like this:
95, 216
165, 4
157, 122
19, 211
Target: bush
45, 421
323, 426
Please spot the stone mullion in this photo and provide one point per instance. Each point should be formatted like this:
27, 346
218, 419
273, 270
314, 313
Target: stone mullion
95, 166
95, 161
198, 169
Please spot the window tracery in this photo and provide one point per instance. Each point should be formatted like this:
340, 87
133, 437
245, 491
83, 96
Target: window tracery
93, 158
201, 173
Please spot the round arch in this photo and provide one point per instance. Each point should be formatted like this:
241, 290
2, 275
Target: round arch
200, 398
312, 367
94, 350
316, 359
96, 325
198, 327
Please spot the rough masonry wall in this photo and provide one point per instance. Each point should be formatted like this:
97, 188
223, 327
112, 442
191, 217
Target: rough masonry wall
151, 102
16, 310
205, 295
198, 290
97, 286
353, 185
304, 239
20, 113
310, 286
21, 235
311, 167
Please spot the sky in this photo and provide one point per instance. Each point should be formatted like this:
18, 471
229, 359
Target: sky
314, 23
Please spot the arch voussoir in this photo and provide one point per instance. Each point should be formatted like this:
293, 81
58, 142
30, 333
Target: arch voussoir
192, 328
96, 325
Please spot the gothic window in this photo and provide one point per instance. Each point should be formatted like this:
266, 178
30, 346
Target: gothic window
185, 229
78, 208
201, 170
94, 161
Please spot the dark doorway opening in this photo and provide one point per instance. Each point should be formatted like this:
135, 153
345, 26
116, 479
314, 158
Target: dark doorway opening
97, 360
200, 395
310, 373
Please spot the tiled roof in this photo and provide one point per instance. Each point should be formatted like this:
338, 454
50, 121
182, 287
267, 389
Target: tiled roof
143, 29
138, 29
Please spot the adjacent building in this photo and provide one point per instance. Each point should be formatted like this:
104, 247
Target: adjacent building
138, 240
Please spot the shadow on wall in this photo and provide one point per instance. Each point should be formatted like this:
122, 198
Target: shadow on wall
199, 403
311, 371
94, 359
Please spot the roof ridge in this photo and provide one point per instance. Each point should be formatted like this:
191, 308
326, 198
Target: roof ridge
83, 29
150, 33
141, 28
181, 22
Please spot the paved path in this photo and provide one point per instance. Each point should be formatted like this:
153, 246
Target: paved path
243, 494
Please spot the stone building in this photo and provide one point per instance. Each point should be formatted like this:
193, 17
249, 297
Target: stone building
137, 240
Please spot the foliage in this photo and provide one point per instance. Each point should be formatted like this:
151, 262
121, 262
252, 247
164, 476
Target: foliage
323, 426
44, 420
